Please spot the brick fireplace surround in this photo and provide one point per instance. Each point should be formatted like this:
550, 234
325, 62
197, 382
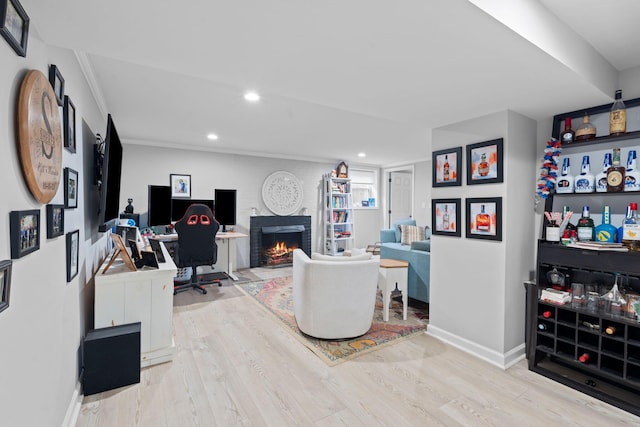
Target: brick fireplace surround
255, 234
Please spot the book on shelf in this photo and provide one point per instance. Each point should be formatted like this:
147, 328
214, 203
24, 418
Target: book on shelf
599, 246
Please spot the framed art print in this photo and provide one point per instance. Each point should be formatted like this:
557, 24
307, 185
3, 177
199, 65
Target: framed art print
180, 186
5, 283
447, 165
57, 83
14, 25
484, 218
69, 125
70, 188
73, 245
484, 162
24, 228
445, 218
55, 221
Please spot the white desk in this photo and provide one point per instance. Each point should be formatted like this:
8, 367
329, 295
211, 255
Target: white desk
124, 296
226, 250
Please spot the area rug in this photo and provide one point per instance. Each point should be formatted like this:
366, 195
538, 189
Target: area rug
276, 295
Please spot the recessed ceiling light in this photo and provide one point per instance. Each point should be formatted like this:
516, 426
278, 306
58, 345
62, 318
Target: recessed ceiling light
252, 96
362, 154
212, 137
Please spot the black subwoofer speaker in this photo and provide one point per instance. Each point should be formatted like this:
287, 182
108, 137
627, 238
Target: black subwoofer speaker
111, 358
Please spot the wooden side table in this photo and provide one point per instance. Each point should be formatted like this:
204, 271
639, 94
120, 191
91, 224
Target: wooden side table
393, 275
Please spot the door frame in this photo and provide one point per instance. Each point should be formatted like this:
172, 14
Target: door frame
386, 174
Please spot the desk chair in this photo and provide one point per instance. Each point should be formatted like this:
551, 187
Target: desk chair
196, 245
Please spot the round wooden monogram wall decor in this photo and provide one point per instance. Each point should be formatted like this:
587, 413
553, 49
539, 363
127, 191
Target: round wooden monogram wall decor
39, 136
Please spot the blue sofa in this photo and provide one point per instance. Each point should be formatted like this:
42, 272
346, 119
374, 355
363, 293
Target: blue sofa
418, 255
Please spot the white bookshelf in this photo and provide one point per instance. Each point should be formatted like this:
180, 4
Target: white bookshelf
338, 215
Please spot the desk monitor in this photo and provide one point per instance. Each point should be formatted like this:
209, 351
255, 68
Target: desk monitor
159, 205
179, 207
225, 204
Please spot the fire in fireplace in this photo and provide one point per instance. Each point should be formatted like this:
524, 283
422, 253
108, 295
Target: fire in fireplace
278, 244
278, 255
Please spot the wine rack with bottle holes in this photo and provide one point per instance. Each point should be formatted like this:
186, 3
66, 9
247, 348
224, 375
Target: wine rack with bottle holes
558, 335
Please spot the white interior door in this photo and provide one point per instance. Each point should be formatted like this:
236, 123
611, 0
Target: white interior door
400, 195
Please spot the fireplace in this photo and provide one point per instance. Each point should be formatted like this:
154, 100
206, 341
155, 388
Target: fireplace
273, 239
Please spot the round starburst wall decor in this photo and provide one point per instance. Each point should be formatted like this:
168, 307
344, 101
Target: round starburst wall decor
282, 193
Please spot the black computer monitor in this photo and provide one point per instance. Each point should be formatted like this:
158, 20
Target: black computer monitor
225, 207
159, 205
179, 206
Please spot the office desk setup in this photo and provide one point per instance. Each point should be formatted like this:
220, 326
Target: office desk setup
226, 241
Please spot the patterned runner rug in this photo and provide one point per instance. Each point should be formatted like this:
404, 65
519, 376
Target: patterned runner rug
276, 295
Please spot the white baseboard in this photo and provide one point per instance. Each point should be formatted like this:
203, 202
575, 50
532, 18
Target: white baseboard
73, 410
501, 360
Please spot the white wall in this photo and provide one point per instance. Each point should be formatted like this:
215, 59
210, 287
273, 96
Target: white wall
481, 307
42, 328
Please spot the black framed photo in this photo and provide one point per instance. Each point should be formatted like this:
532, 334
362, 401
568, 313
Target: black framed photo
484, 218
484, 162
57, 83
70, 188
180, 186
69, 125
446, 167
14, 25
5, 283
73, 245
445, 218
24, 228
55, 221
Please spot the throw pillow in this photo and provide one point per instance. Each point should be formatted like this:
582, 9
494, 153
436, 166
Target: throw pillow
421, 245
411, 233
398, 224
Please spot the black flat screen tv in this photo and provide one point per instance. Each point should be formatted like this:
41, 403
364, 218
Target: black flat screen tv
111, 174
179, 206
225, 207
159, 205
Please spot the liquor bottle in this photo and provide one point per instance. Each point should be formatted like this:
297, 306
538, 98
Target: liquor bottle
605, 232
584, 358
631, 228
565, 183
632, 174
445, 169
615, 174
570, 227
601, 178
586, 130
585, 182
585, 226
483, 220
483, 166
618, 116
445, 219
568, 135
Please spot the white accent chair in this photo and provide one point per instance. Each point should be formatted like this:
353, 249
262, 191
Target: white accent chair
334, 297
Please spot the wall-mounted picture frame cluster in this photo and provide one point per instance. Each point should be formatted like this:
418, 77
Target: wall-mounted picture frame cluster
24, 230
483, 218
180, 186
57, 83
72, 246
14, 25
69, 125
484, 164
70, 188
55, 221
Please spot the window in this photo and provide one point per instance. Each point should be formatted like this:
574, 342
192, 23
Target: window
364, 188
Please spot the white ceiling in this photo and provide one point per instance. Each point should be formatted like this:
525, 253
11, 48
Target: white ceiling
337, 77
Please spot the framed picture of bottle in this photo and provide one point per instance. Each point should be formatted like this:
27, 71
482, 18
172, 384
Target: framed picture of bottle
445, 220
447, 167
484, 218
484, 162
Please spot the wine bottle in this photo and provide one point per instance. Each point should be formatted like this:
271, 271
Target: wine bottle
610, 330
618, 116
586, 130
570, 227
615, 174
605, 232
568, 135
584, 358
445, 219
585, 226
631, 228
601, 178
445, 169
565, 182
585, 182
546, 314
542, 327
632, 174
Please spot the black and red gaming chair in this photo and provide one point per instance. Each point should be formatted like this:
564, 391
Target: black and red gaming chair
196, 245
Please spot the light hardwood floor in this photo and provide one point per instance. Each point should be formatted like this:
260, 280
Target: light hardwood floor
235, 365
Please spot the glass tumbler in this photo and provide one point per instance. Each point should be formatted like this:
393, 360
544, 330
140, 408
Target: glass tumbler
578, 297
